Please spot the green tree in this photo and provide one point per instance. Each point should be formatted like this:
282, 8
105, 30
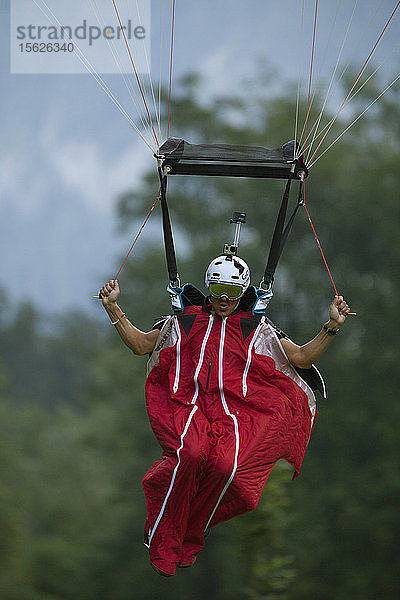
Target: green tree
75, 439
351, 465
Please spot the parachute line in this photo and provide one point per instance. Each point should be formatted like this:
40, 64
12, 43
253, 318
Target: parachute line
50, 16
135, 71
318, 242
319, 76
157, 113
139, 233
145, 123
171, 64
300, 43
355, 120
160, 73
344, 102
351, 98
311, 67
318, 121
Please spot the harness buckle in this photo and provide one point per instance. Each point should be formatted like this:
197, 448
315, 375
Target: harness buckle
176, 283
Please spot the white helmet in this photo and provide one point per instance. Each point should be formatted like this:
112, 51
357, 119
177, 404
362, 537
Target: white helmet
231, 271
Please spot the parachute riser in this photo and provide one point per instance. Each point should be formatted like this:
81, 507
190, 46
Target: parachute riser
167, 230
281, 231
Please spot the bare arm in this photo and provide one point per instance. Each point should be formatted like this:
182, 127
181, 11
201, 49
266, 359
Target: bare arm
304, 356
138, 341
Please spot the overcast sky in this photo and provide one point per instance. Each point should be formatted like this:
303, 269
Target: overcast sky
67, 153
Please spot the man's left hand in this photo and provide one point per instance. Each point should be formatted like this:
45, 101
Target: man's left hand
338, 310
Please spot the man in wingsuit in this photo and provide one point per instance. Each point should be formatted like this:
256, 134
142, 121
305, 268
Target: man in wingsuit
228, 395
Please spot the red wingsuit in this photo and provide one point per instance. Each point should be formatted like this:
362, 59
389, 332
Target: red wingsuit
225, 404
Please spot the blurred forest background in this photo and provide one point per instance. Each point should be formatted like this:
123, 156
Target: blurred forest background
75, 440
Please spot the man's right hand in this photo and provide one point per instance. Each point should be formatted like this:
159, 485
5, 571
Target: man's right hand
109, 292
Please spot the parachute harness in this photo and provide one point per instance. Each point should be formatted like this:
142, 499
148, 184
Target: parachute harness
174, 161
177, 156
249, 164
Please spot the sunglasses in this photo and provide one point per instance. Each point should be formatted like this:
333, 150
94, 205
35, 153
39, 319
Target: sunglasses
233, 292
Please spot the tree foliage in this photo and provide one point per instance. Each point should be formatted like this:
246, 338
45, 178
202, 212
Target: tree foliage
75, 440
